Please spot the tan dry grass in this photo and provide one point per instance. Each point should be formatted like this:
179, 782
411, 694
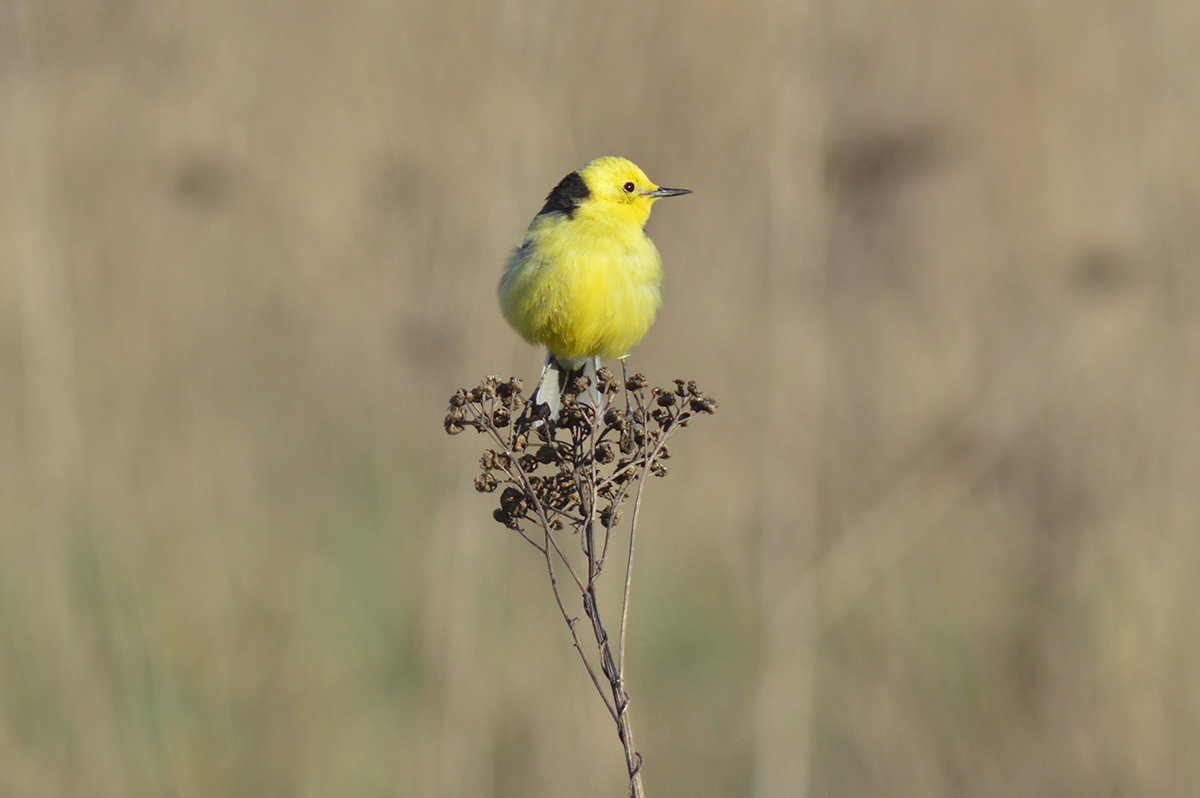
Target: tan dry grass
940, 269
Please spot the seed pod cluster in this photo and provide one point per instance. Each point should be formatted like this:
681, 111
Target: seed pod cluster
550, 472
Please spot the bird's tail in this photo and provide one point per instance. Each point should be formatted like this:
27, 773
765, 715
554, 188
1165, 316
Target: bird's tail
557, 375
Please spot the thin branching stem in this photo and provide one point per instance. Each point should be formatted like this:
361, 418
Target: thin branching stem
571, 621
551, 543
554, 473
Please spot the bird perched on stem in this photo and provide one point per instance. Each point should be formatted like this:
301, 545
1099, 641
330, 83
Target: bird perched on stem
586, 282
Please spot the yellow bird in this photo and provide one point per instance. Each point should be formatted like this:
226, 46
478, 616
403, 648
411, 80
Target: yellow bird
586, 282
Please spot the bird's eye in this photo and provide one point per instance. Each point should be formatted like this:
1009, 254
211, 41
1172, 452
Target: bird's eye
629, 187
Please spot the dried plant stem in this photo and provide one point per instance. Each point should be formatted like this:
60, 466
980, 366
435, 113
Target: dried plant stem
637, 505
558, 472
620, 698
550, 550
570, 621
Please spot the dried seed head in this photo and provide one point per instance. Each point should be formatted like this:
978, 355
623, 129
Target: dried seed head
558, 448
513, 501
508, 388
607, 383
576, 413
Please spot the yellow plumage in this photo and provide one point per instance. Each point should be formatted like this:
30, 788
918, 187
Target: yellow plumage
586, 281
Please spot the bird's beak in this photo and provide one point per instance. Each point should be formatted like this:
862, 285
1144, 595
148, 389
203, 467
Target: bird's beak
659, 193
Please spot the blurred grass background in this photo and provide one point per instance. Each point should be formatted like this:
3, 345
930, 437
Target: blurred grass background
940, 268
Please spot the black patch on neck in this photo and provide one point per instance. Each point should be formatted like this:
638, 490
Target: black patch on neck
566, 196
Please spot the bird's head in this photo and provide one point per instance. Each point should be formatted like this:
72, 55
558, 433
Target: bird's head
610, 188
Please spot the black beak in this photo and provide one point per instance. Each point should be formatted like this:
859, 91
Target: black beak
668, 192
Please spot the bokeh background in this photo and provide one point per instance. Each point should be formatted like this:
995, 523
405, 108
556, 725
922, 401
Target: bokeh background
940, 269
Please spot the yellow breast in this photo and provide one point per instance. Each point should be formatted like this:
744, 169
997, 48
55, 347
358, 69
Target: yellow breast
583, 287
